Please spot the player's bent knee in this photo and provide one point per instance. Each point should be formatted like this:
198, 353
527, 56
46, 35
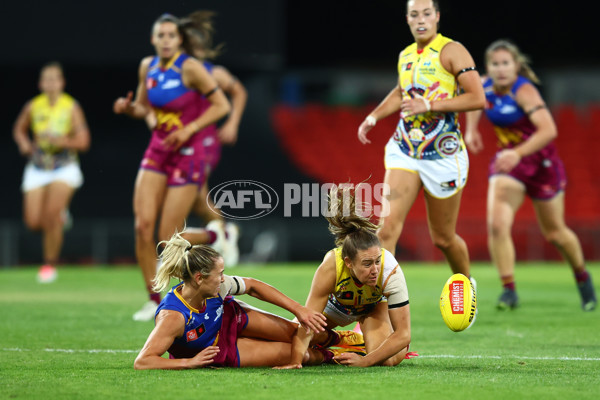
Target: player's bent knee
144, 229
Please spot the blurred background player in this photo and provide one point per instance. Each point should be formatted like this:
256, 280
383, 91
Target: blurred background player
349, 286
173, 84
52, 173
200, 32
200, 324
527, 164
427, 150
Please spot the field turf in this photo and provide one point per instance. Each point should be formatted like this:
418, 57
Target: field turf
75, 339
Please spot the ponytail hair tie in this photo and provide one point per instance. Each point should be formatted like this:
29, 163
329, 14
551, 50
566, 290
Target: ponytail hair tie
189, 248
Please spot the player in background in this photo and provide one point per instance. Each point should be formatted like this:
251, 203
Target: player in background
172, 84
200, 324
437, 79
527, 164
200, 31
358, 281
52, 174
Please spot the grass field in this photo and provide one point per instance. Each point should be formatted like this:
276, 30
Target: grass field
75, 339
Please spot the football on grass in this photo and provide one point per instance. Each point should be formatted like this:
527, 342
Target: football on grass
458, 303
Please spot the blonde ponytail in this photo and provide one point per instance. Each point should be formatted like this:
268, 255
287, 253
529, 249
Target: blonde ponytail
181, 260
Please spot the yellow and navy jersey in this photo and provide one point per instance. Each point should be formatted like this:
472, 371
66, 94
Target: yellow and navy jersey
354, 298
430, 135
202, 326
51, 120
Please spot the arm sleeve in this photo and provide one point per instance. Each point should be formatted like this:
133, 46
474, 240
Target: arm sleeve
394, 287
232, 286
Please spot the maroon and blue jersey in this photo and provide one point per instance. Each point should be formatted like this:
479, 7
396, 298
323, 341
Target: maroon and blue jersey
201, 326
174, 104
218, 323
542, 173
511, 123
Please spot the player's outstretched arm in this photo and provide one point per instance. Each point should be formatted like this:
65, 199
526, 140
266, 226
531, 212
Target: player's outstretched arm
170, 325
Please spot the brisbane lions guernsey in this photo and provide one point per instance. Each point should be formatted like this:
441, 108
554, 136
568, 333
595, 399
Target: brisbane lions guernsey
174, 104
511, 122
201, 326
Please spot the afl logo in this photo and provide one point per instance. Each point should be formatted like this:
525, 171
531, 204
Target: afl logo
243, 200
446, 145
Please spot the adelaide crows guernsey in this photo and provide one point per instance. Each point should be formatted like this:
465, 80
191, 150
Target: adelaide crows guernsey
174, 104
51, 120
354, 298
511, 123
430, 135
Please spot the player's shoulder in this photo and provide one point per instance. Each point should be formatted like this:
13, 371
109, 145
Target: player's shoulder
146, 61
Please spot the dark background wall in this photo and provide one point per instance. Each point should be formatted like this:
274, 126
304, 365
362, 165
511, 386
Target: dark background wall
101, 43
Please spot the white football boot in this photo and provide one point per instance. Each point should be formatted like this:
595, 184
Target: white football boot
146, 313
231, 253
218, 227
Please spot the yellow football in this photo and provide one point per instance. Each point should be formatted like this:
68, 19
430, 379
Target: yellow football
458, 303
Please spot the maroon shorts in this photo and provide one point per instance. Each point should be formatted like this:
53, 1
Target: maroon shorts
234, 321
182, 167
543, 177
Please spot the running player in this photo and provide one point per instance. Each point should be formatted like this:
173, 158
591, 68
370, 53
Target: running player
359, 281
173, 84
52, 174
527, 164
200, 30
427, 150
199, 324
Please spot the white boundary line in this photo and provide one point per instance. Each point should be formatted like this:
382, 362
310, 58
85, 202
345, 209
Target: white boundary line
509, 356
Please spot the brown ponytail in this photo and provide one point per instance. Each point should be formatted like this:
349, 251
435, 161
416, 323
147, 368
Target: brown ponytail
352, 230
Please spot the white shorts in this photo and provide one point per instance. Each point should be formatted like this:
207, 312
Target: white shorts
441, 178
34, 178
339, 317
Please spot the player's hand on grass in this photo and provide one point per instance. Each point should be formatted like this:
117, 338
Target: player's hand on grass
311, 320
205, 358
350, 359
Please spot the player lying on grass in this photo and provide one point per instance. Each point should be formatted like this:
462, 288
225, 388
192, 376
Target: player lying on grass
200, 324
358, 281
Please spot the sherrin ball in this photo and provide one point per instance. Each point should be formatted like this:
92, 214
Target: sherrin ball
458, 303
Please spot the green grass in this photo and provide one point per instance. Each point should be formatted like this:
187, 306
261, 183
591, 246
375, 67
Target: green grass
74, 339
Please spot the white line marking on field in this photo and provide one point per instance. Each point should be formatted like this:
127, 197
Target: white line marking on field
512, 357
509, 356
75, 350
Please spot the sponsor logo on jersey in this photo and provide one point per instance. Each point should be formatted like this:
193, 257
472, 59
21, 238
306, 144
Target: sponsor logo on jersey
151, 83
171, 84
196, 333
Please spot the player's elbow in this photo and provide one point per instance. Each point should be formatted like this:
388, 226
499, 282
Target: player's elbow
85, 143
141, 362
